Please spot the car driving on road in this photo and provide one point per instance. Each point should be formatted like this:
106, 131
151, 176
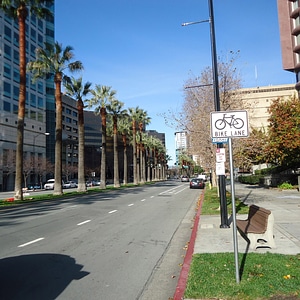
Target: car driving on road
184, 178
197, 183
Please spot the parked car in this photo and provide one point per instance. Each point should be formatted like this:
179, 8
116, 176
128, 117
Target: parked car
33, 187
93, 183
202, 176
184, 178
197, 183
49, 185
69, 185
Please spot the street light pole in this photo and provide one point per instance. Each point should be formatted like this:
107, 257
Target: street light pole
222, 182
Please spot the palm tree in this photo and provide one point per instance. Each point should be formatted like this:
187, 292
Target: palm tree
134, 114
144, 119
54, 60
101, 96
147, 141
114, 108
124, 130
75, 88
19, 9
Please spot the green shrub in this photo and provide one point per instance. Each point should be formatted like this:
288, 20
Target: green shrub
251, 179
285, 186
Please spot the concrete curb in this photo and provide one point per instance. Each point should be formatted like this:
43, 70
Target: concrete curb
181, 285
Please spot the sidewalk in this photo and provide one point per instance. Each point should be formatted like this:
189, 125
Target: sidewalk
285, 206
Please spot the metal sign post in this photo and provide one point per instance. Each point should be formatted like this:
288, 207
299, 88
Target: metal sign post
235, 243
226, 125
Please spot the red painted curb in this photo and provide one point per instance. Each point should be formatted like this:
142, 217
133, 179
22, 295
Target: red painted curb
181, 285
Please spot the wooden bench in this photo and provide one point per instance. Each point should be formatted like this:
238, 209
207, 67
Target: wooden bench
258, 227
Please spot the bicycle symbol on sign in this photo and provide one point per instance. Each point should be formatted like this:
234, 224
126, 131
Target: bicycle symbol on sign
237, 123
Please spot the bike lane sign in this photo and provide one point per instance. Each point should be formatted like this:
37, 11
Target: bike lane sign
225, 124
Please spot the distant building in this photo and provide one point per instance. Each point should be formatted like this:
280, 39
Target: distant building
181, 144
257, 101
158, 135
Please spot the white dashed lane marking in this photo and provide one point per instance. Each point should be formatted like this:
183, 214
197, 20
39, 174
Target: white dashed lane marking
84, 222
31, 242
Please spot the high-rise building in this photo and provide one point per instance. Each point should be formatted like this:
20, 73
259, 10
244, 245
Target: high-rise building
181, 144
40, 104
289, 25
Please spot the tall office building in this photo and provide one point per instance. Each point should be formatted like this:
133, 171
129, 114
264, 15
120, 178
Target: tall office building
289, 25
181, 143
40, 104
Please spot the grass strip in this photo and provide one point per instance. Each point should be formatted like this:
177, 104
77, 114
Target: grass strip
263, 276
211, 203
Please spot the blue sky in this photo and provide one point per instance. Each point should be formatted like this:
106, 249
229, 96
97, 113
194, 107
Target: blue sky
140, 49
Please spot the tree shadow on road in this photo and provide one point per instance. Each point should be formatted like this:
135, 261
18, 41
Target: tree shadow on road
37, 276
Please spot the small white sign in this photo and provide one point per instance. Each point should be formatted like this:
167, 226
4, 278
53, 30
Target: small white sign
220, 168
227, 124
220, 155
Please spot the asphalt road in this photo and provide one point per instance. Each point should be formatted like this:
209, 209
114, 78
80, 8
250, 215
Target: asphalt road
125, 244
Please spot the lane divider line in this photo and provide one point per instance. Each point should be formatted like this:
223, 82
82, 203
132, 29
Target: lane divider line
84, 222
143, 200
130, 204
31, 242
112, 211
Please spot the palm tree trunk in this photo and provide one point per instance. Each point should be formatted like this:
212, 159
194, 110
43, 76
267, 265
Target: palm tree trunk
58, 137
116, 154
22, 14
103, 152
81, 178
125, 178
135, 181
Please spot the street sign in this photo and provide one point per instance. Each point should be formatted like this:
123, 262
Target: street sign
220, 168
226, 124
220, 155
219, 140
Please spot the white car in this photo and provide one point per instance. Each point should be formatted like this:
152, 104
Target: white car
49, 185
69, 184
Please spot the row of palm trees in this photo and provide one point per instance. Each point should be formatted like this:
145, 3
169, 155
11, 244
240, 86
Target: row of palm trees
56, 61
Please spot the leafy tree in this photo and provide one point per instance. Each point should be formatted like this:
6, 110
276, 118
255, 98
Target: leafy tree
42, 168
194, 116
54, 61
27, 167
101, 95
75, 88
251, 150
283, 146
20, 9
